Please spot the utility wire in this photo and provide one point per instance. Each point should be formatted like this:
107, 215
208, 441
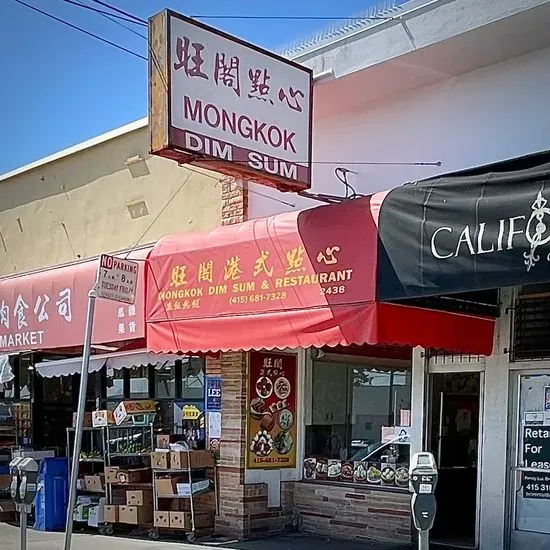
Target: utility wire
261, 17
297, 17
101, 12
121, 12
76, 27
111, 17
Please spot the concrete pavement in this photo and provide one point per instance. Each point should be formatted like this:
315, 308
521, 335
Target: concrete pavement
9, 540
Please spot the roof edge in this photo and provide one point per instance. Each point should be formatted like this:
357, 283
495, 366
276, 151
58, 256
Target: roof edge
82, 146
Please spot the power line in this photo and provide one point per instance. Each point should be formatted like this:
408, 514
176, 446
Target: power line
253, 191
121, 12
297, 17
113, 18
100, 12
122, 48
76, 27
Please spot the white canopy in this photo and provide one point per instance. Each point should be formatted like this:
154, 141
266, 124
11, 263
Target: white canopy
117, 360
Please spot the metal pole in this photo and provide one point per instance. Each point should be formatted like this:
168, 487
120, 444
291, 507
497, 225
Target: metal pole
80, 417
423, 540
23, 524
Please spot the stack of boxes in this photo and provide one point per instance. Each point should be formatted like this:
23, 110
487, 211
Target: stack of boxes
174, 509
132, 496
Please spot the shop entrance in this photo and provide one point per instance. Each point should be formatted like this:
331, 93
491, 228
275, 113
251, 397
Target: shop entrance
453, 436
529, 479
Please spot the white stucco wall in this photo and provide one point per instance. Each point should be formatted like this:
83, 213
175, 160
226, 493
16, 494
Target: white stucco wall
491, 114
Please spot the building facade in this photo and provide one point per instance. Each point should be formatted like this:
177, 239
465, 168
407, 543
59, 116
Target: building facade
437, 87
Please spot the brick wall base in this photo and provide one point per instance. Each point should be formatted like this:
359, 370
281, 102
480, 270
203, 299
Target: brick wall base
243, 510
353, 513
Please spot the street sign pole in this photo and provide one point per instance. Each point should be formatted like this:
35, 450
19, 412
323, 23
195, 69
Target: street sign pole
423, 540
80, 416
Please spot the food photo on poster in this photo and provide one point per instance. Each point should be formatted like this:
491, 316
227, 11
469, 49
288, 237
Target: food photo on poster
272, 411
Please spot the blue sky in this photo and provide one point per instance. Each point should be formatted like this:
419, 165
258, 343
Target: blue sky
61, 87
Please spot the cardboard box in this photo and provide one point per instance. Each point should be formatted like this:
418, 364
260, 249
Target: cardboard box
160, 460
102, 418
95, 483
111, 474
184, 489
199, 459
110, 513
96, 515
87, 422
162, 519
166, 486
5, 481
180, 520
127, 411
204, 520
139, 498
135, 515
139, 475
163, 441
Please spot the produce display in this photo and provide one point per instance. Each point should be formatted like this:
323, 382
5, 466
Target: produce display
91, 455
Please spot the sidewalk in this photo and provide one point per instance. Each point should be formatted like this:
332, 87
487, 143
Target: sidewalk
9, 540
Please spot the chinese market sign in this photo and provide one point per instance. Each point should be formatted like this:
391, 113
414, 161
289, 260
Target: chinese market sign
272, 418
293, 261
47, 309
231, 106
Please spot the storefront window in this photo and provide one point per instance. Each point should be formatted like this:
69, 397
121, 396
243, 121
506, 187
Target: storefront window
359, 427
139, 382
193, 379
115, 384
165, 381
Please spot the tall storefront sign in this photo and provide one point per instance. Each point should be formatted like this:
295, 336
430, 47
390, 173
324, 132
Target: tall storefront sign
213, 393
272, 416
47, 309
486, 228
220, 102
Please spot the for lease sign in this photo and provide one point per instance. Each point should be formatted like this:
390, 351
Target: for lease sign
237, 105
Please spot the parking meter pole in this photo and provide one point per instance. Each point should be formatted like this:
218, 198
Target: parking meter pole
423, 540
23, 522
80, 417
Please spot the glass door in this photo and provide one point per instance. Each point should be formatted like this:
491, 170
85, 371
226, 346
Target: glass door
455, 405
530, 461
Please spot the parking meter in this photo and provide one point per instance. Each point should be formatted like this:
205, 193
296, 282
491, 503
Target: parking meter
28, 468
24, 472
15, 481
422, 482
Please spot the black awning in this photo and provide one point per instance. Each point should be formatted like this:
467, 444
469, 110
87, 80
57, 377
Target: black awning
478, 229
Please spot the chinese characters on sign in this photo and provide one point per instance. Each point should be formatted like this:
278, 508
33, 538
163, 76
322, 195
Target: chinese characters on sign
266, 278
236, 105
47, 309
272, 420
22, 314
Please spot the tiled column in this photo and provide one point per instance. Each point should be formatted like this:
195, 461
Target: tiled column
231, 520
232, 367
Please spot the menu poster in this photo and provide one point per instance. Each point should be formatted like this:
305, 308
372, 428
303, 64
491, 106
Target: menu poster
272, 421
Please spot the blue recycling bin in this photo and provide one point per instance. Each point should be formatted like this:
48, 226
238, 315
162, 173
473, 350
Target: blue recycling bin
52, 494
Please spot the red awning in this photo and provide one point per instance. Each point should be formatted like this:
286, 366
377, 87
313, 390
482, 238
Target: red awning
47, 309
297, 279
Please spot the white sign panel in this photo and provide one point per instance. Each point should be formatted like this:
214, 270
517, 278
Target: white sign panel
117, 279
235, 103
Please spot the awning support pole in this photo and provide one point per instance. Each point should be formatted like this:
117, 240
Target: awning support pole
80, 417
